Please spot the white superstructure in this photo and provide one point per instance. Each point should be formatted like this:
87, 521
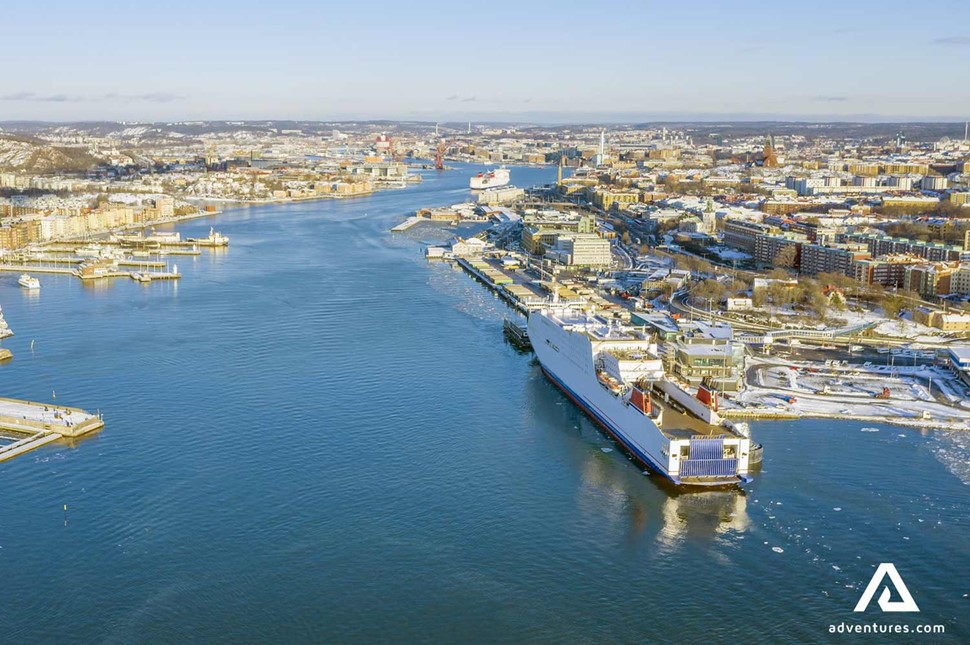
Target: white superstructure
28, 282
490, 179
608, 371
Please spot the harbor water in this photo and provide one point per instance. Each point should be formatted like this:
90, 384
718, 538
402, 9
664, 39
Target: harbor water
318, 436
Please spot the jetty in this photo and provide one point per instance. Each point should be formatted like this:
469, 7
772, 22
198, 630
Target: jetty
97, 271
408, 223
25, 425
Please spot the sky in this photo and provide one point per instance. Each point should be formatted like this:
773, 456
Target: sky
494, 60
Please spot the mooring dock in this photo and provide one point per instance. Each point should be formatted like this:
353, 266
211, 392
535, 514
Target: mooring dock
406, 224
25, 425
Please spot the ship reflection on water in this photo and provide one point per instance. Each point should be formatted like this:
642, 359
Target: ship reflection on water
647, 507
703, 514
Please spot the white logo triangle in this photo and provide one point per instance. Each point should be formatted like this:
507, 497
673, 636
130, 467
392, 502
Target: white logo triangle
906, 604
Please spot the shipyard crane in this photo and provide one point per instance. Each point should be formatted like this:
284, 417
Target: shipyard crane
439, 154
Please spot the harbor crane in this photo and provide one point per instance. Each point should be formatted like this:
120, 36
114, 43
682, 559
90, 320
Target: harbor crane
439, 154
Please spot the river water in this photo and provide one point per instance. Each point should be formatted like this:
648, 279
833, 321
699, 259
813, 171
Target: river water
318, 436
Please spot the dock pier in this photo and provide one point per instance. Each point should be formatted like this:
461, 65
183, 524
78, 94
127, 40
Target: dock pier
406, 224
25, 425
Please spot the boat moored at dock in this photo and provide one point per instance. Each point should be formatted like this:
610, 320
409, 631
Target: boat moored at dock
213, 239
609, 372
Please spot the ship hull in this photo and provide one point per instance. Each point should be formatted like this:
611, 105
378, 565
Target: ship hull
605, 425
492, 184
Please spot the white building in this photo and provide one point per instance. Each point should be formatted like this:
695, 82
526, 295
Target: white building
583, 250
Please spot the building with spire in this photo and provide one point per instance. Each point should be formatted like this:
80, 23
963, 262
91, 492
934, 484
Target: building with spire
768, 157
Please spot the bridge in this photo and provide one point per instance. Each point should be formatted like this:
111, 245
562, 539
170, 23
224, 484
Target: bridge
810, 334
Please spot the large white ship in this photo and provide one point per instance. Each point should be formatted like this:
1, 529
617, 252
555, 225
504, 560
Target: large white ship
608, 371
490, 179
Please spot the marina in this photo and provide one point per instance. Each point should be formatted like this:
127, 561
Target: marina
111, 257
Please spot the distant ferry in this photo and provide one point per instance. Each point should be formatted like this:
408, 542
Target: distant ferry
214, 239
490, 179
608, 371
29, 283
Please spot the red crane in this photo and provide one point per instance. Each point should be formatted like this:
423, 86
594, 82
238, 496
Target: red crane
439, 155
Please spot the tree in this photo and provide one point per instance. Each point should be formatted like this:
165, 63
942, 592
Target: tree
710, 290
891, 305
778, 274
786, 257
781, 294
812, 295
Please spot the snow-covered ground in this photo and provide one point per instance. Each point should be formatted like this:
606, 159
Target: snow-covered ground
725, 253
856, 392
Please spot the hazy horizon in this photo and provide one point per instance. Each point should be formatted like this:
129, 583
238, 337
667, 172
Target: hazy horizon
542, 119
552, 62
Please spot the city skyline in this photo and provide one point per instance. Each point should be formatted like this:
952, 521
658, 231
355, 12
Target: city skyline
549, 64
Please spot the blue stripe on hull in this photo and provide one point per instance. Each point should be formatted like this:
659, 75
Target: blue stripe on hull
641, 458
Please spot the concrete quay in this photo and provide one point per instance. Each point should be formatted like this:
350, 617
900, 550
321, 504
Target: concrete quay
140, 276
26, 425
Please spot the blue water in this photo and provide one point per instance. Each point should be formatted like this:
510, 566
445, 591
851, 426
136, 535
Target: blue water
317, 436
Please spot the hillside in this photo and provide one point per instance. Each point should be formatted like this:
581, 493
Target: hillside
29, 155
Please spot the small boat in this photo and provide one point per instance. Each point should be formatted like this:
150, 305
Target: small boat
28, 282
517, 334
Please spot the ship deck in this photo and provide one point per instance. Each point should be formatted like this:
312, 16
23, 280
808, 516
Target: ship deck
678, 425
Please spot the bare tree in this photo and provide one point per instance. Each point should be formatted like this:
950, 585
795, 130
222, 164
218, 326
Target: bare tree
786, 257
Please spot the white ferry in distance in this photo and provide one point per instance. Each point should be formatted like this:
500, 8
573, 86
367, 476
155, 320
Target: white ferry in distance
28, 283
608, 371
490, 179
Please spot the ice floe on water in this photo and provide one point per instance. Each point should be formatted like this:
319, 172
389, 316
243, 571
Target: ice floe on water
952, 449
870, 430
777, 549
